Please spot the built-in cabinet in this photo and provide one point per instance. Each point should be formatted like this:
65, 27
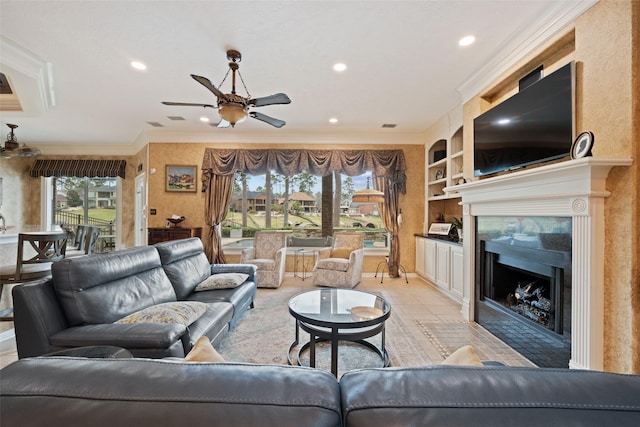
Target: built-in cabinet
441, 263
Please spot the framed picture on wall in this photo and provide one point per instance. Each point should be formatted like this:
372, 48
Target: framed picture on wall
181, 178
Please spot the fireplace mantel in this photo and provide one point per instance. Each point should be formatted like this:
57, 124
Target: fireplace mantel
576, 189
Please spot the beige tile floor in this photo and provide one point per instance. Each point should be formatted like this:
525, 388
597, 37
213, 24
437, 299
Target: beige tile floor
416, 302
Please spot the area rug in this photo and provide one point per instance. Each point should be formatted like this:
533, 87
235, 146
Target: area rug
264, 335
448, 336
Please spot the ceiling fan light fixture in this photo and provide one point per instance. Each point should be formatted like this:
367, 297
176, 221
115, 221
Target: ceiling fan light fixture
233, 113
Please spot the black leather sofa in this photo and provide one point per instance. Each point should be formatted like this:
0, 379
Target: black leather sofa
78, 306
63, 391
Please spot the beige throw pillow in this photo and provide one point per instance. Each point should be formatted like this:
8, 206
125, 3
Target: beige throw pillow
341, 252
222, 281
180, 312
463, 356
203, 351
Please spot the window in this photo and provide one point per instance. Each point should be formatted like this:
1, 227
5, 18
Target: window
74, 201
273, 201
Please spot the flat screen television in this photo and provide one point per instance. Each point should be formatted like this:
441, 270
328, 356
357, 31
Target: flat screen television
533, 126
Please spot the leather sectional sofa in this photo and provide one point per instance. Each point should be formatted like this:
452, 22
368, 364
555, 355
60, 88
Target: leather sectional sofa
86, 297
64, 391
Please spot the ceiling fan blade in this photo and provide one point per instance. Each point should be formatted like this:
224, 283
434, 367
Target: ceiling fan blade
263, 117
188, 104
278, 98
223, 123
206, 83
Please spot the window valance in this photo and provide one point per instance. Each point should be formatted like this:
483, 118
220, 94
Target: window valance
291, 162
79, 168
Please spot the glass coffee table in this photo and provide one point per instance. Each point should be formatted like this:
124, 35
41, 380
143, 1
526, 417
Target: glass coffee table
334, 315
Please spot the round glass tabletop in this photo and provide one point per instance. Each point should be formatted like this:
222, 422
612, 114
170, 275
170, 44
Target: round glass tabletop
339, 307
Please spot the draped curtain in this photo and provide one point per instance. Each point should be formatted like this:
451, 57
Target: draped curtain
392, 186
218, 163
215, 209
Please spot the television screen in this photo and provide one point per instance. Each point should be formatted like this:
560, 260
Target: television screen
535, 125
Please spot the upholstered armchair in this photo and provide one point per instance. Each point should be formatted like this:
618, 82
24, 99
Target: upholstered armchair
341, 265
269, 255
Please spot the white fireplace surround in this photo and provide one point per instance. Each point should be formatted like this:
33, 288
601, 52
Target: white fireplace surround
576, 189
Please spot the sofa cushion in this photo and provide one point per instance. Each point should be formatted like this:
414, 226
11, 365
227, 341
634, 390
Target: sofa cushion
104, 288
222, 281
185, 263
180, 312
203, 351
143, 392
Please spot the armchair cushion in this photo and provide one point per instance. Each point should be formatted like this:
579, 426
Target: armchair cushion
338, 264
222, 281
182, 313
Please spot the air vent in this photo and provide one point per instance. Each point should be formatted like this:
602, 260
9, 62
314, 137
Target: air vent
175, 117
156, 124
389, 125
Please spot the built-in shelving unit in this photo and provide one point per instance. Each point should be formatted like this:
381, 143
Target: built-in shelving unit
445, 166
445, 162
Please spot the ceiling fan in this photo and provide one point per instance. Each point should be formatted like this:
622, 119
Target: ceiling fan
11, 147
232, 107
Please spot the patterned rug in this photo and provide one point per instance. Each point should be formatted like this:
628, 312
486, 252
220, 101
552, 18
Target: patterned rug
448, 336
264, 335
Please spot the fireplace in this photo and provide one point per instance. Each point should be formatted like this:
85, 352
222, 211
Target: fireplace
575, 189
524, 285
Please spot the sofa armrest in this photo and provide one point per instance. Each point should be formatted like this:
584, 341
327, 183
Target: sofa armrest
249, 269
37, 315
134, 335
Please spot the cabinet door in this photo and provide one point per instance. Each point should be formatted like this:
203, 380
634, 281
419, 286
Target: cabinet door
457, 271
420, 256
430, 260
442, 266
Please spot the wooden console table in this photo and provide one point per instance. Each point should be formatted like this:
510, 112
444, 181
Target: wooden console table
163, 234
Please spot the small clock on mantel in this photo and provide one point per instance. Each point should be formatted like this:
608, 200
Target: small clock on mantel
582, 145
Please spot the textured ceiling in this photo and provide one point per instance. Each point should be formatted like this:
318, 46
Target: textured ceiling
69, 63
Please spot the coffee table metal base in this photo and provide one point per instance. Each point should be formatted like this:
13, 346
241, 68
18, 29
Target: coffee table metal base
334, 335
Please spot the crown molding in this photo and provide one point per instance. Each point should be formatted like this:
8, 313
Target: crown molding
31, 70
558, 16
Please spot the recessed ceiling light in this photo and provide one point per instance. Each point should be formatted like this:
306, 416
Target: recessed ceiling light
504, 122
466, 41
204, 119
138, 65
339, 67
333, 120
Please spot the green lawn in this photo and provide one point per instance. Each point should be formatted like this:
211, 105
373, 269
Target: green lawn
98, 213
